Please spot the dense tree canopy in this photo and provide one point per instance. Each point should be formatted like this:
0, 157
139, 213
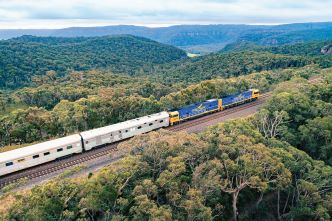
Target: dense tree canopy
24, 58
226, 65
228, 171
27, 56
306, 121
308, 48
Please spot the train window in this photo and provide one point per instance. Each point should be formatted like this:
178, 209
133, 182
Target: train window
9, 164
60, 149
47, 153
161, 121
35, 156
150, 124
139, 127
69, 147
21, 160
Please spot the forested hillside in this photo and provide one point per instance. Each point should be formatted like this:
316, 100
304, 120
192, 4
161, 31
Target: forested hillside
55, 58
23, 58
228, 65
314, 48
244, 169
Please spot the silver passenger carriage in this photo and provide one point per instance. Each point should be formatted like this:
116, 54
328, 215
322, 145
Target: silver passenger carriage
123, 130
33, 155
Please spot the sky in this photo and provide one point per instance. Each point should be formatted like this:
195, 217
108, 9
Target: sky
158, 13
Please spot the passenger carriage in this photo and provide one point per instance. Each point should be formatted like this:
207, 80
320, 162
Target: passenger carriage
33, 155
123, 130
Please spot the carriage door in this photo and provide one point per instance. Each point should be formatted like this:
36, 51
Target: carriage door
98, 140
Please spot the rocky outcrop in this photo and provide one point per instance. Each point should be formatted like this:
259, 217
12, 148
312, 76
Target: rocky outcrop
327, 49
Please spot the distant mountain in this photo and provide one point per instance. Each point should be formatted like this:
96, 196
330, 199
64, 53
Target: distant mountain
24, 57
197, 38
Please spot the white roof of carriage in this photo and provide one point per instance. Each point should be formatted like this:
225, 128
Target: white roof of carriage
124, 125
38, 148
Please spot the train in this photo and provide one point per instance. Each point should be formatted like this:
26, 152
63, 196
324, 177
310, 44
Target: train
37, 154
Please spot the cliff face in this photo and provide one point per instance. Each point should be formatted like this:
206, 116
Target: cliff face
327, 49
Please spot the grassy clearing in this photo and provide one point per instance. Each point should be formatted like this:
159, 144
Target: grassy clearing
7, 189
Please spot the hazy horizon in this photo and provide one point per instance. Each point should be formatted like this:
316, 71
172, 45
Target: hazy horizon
160, 25
55, 14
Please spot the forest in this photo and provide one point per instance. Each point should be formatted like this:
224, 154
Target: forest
245, 169
274, 165
313, 48
25, 57
230, 65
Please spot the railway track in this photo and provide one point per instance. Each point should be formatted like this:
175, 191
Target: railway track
61, 164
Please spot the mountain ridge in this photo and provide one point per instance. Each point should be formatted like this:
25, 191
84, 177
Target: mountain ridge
195, 38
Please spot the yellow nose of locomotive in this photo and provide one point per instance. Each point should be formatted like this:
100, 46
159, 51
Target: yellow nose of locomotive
255, 93
174, 117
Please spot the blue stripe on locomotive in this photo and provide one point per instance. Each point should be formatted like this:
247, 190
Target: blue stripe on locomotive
198, 108
236, 98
